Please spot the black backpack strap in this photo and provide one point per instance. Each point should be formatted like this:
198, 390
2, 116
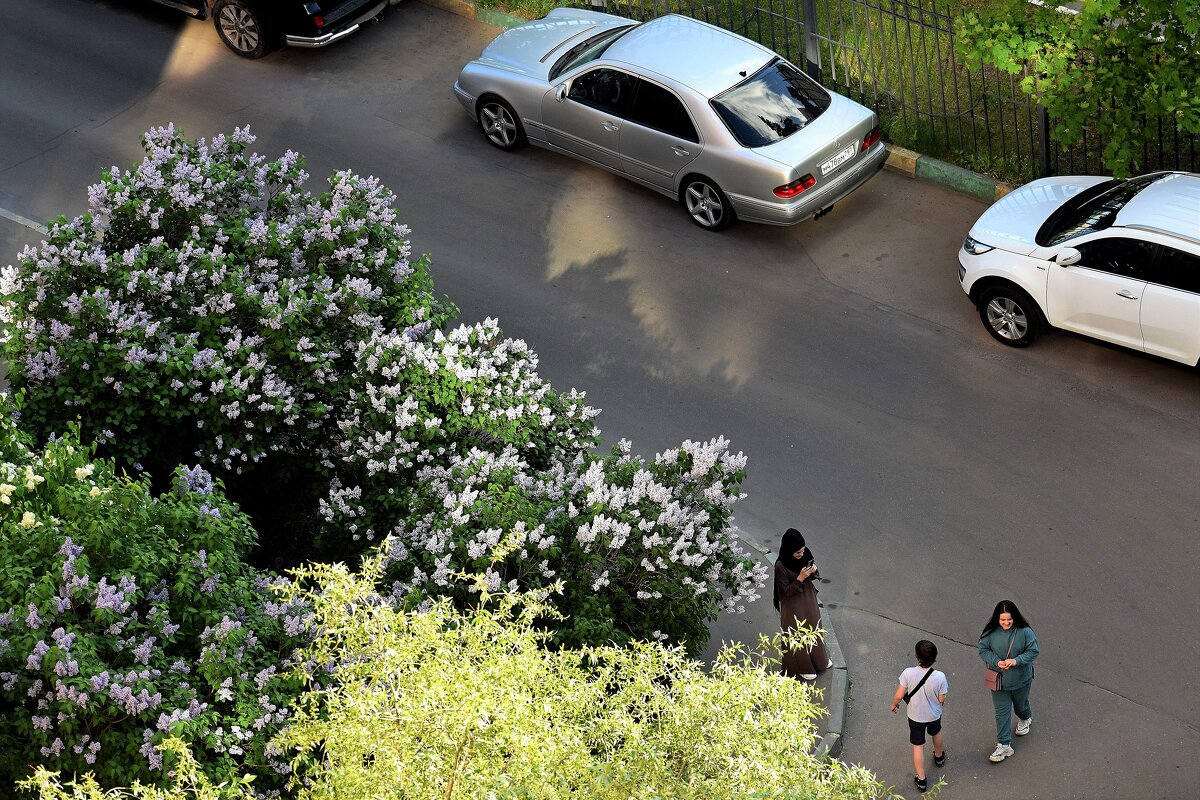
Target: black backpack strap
908, 695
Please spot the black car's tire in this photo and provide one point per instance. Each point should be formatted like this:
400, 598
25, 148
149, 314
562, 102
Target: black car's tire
706, 204
243, 28
1010, 316
500, 124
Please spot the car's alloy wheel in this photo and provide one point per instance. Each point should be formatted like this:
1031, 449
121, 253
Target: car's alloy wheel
707, 205
241, 27
500, 125
1010, 316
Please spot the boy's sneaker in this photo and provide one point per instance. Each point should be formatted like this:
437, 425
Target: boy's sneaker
922, 784
939, 761
1003, 751
1023, 726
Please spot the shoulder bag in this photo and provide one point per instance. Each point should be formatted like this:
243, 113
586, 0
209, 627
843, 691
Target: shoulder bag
991, 678
909, 694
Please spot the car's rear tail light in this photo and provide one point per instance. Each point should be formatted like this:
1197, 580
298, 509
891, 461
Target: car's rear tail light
319, 22
794, 188
870, 139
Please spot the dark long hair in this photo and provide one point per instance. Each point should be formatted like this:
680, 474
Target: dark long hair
1005, 607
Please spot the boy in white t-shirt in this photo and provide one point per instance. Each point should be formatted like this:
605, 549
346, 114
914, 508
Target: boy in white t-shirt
924, 689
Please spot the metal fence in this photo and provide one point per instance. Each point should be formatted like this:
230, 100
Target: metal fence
898, 57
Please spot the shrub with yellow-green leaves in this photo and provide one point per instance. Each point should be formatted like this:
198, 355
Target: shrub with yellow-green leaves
442, 703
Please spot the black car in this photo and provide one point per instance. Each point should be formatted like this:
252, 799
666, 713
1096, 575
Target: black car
253, 28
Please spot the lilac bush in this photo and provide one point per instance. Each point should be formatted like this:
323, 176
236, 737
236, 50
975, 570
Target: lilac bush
127, 617
455, 442
207, 306
212, 311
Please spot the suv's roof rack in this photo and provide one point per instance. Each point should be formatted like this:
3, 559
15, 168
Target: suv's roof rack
1154, 229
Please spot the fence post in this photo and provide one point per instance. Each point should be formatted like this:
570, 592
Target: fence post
1043, 117
812, 48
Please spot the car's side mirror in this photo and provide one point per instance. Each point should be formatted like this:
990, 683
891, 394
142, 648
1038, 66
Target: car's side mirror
560, 92
1068, 256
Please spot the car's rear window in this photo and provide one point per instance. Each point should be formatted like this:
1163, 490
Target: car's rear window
1093, 209
587, 50
771, 104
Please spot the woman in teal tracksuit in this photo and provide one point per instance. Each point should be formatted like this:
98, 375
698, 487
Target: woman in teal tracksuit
1008, 646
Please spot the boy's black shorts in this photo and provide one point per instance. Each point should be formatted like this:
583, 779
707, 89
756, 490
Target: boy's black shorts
916, 730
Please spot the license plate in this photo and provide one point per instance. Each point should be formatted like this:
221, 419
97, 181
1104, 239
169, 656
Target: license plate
841, 158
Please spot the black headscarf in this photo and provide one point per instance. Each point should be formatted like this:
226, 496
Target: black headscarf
792, 541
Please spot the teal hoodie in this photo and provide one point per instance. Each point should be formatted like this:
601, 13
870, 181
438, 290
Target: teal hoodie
1024, 649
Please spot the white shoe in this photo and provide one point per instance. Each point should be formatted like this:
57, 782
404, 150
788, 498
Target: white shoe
1023, 726
809, 676
1003, 751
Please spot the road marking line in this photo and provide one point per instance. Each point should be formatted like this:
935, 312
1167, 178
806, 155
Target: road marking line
28, 223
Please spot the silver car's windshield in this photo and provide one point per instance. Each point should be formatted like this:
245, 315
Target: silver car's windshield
771, 104
587, 50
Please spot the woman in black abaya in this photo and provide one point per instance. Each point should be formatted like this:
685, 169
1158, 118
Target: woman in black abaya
796, 599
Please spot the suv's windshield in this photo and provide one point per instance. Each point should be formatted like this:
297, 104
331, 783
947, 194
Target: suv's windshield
771, 105
1093, 209
587, 50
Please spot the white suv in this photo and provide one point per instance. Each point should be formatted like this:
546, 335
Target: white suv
1116, 260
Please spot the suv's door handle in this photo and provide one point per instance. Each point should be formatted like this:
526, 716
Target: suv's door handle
679, 151
1128, 295
610, 126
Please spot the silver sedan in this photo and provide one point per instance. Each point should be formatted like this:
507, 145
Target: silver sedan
724, 125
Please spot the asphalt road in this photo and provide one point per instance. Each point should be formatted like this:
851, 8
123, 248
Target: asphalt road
933, 470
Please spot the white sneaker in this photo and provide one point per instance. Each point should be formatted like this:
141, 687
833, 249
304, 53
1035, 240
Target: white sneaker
809, 676
1023, 726
1003, 751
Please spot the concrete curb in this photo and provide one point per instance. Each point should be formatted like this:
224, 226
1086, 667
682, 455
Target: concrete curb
931, 170
832, 729
912, 164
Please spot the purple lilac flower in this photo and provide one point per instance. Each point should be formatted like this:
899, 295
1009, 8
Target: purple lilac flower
54, 749
143, 652
110, 598
62, 638
160, 593
204, 359
153, 756
33, 619
66, 668
34, 662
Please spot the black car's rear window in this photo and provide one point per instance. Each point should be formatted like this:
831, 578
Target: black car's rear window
1093, 209
771, 104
